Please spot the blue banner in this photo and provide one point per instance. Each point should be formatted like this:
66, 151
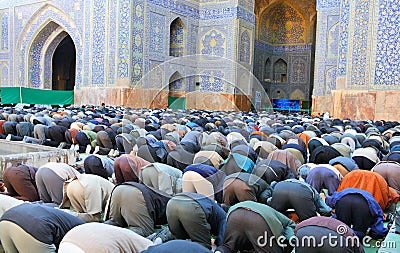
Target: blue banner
286, 104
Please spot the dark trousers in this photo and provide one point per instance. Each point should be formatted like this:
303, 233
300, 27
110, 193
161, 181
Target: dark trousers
123, 145
128, 208
148, 153
50, 186
187, 220
20, 183
321, 243
364, 163
10, 128
182, 156
353, 210
56, 134
247, 230
235, 191
104, 140
82, 141
287, 195
25, 129
68, 137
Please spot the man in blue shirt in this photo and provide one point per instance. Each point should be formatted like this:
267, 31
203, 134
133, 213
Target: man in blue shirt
359, 209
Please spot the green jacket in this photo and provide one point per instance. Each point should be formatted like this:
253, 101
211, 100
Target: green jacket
279, 224
91, 136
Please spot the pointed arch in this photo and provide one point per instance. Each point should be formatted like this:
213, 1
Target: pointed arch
268, 70
176, 83
280, 71
40, 20
176, 93
330, 79
35, 54
47, 59
177, 37
63, 65
278, 94
297, 95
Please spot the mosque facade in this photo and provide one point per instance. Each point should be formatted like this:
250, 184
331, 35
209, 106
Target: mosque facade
341, 55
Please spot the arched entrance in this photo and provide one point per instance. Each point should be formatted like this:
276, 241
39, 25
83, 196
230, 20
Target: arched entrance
177, 38
37, 42
52, 59
284, 48
64, 65
176, 94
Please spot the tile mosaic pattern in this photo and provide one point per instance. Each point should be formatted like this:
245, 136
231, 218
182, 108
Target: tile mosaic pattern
282, 49
212, 80
328, 47
244, 52
330, 78
333, 41
367, 49
110, 36
112, 41
4, 32
115, 41
359, 73
35, 53
387, 70
157, 33
87, 36
283, 25
124, 38
327, 4
98, 42
344, 37
177, 38
137, 47
30, 32
194, 33
4, 76
176, 82
214, 43
298, 71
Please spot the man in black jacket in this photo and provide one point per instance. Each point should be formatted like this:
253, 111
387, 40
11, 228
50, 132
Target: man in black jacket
34, 228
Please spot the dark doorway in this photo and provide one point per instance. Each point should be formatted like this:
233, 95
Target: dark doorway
64, 64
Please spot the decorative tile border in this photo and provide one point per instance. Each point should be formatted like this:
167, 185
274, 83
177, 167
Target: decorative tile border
359, 71
282, 49
325, 4
124, 38
98, 42
344, 37
4, 32
112, 41
387, 59
137, 46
